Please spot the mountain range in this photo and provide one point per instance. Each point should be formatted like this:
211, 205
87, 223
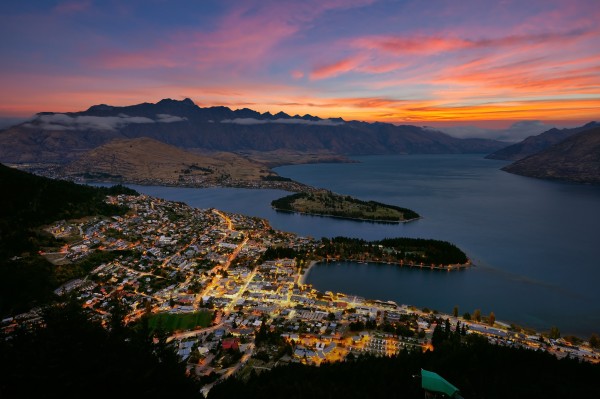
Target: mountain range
534, 144
61, 137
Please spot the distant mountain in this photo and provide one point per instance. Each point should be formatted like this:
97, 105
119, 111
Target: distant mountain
575, 159
61, 137
535, 144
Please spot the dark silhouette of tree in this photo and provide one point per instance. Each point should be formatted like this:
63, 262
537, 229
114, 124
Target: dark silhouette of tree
477, 368
595, 341
554, 333
491, 319
437, 337
71, 354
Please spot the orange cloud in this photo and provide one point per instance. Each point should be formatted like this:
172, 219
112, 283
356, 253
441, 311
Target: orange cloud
528, 77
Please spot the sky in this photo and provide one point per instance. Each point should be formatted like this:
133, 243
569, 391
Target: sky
489, 65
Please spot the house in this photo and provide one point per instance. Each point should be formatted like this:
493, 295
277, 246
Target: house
230, 343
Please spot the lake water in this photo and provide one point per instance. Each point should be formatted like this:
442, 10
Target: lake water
535, 243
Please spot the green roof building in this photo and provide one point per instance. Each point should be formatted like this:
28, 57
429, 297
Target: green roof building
436, 386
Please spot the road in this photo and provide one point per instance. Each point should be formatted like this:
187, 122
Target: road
193, 333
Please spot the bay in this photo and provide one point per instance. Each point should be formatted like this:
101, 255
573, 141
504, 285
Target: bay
535, 243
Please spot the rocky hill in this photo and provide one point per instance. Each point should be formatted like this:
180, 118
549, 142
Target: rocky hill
148, 161
534, 144
575, 159
62, 137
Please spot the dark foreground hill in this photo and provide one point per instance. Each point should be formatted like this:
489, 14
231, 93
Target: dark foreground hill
73, 357
534, 144
477, 368
576, 159
28, 201
56, 137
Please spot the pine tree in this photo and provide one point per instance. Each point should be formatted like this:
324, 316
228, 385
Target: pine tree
492, 318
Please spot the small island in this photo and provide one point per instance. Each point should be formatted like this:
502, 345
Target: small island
326, 203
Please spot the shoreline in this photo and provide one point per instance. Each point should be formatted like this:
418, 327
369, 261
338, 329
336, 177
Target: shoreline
302, 278
446, 268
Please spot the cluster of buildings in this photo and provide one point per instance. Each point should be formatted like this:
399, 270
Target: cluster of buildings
167, 257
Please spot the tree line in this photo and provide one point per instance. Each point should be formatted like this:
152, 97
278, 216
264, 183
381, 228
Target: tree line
416, 250
479, 369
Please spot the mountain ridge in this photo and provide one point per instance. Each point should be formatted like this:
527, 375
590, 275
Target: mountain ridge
537, 143
61, 137
574, 159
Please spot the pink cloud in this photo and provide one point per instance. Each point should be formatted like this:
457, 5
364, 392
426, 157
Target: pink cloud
297, 74
400, 45
382, 68
246, 38
334, 69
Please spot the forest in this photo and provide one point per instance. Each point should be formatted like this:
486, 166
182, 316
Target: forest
73, 357
479, 370
394, 250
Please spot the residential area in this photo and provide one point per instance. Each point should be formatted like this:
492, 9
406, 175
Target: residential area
208, 282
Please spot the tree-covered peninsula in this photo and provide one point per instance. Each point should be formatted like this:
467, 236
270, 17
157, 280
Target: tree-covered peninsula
326, 203
405, 251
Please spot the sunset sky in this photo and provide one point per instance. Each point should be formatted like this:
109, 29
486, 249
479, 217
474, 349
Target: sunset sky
434, 62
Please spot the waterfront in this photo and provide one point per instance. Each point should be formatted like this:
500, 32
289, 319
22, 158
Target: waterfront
534, 242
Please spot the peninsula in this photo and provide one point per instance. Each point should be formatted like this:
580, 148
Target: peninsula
326, 203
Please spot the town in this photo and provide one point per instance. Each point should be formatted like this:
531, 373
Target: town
229, 300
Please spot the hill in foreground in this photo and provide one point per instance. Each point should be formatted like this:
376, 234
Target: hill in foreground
576, 159
478, 369
28, 201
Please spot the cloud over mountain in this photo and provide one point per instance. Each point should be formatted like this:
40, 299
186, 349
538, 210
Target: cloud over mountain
87, 122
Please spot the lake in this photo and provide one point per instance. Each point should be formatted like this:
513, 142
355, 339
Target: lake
535, 243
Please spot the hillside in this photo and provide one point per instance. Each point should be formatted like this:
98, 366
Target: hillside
57, 138
576, 159
478, 368
148, 161
28, 202
534, 144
